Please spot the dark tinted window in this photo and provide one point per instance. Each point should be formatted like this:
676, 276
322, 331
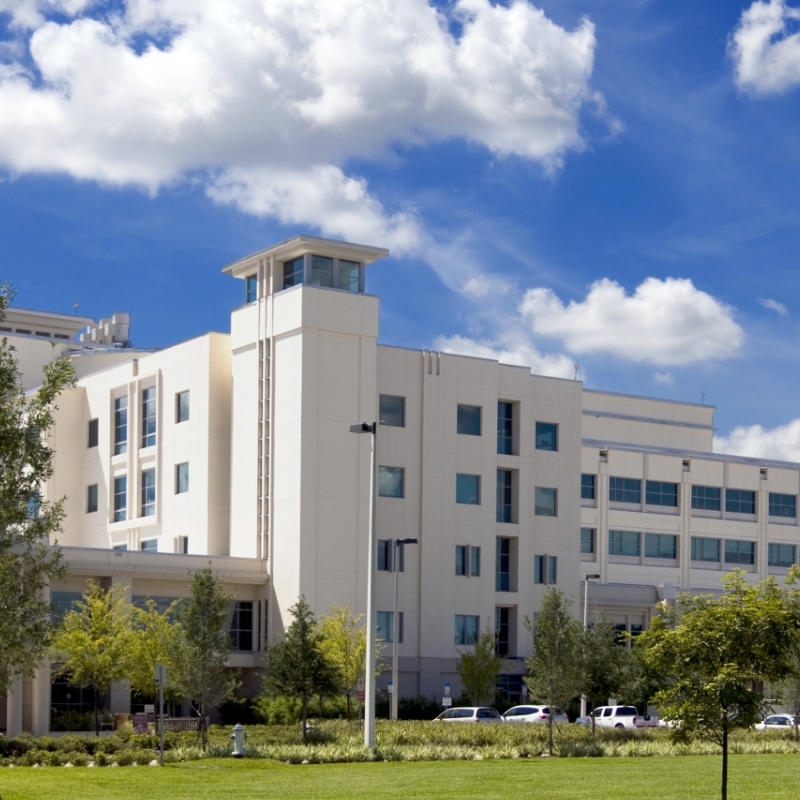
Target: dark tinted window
469, 420
546, 436
392, 411
93, 433
624, 490
706, 498
587, 487
658, 493
740, 501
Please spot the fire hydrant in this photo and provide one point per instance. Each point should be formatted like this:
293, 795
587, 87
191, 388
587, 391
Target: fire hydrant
238, 737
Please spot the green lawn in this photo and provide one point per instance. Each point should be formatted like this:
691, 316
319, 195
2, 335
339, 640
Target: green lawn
751, 776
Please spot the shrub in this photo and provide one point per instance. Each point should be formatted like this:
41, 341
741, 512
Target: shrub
239, 710
419, 708
71, 721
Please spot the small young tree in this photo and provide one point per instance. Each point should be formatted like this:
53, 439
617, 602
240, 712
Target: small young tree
344, 644
27, 561
297, 666
718, 651
604, 663
203, 649
479, 668
94, 643
554, 669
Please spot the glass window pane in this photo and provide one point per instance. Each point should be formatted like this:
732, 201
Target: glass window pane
182, 406
475, 561
468, 489
120, 425
740, 501
390, 481
349, 274
461, 560
782, 505
625, 490
250, 288
392, 411
780, 555
181, 478
552, 569
623, 543
149, 417
322, 271
91, 498
470, 630
293, 272
546, 436
150, 546
587, 487
504, 494
505, 428
94, 432
660, 545
705, 549
538, 569
587, 540
706, 498
545, 502
148, 492
659, 493
503, 565
120, 498
469, 420
737, 552
384, 555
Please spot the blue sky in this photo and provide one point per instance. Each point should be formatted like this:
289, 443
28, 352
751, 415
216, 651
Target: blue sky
612, 183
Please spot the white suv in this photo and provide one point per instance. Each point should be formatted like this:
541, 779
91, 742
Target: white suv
615, 716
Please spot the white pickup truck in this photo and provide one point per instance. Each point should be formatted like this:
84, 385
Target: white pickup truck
619, 717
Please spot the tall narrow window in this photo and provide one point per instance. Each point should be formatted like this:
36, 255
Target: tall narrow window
293, 272
94, 433
91, 498
546, 436
468, 420
384, 555
182, 406
181, 478
322, 271
502, 579
241, 630
552, 569
502, 630
349, 275
120, 498
587, 541
505, 428
251, 288
148, 492
461, 559
392, 411
475, 561
538, 569
504, 495
120, 425
149, 417
588, 487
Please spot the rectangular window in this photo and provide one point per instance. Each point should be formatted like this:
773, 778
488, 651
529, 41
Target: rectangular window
706, 498
399, 553
384, 555
181, 478
740, 501
148, 492
504, 481
468, 489
475, 562
780, 555
390, 481
782, 505
120, 425
241, 629
469, 420
322, 271
94, 432
588, 490
552, 569
624, 490
505, 428
392, 411
386, 627
120, 498
545, 502
538, 569
502, 629
660, 545
182, 406
349, 275
659, 493
546, 436
150, 546
502, 578
737, 552
623, 543
704, 549
293, 272
587, 540
466, 629
120, 548
149, 417
251, 288
461, 559
91, 498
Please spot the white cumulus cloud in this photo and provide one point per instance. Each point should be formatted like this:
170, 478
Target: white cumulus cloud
268, 102
781, 443
664, 322
765, 48
774, 305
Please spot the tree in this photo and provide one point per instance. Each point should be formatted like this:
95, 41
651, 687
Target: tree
641, 682
604, 663
202, 651
297, 666
554, 669
718, 651
479, 669
27, 560
93, 643
156, 639
344, 644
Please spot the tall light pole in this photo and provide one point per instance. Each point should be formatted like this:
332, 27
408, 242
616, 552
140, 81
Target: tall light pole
593, 577
395, 625
369, 678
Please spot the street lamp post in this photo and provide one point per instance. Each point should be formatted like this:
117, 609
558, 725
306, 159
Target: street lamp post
592, 577
369, 682
395, 624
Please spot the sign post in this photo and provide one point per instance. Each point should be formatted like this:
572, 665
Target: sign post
447, 701
161, 679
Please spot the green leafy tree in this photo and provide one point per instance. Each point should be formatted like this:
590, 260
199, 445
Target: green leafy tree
344, 644
157, 638
605, 663
641, 681
202, 651
555, 670
27, 560
297, 666
478, 669
718, 651
93, 644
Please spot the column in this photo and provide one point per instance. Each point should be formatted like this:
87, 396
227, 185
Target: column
14, 708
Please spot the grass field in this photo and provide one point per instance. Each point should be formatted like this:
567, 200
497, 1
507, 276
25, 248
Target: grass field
754, 777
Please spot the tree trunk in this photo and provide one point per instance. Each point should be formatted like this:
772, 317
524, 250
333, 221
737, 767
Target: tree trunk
96, 715
305, 716
550, 728
203, 723
725, 760
349, 707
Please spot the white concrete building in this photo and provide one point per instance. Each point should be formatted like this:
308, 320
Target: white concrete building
235, 449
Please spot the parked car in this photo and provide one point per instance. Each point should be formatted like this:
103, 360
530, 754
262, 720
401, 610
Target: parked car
776, 722
534, 714
612, 717
469, 714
